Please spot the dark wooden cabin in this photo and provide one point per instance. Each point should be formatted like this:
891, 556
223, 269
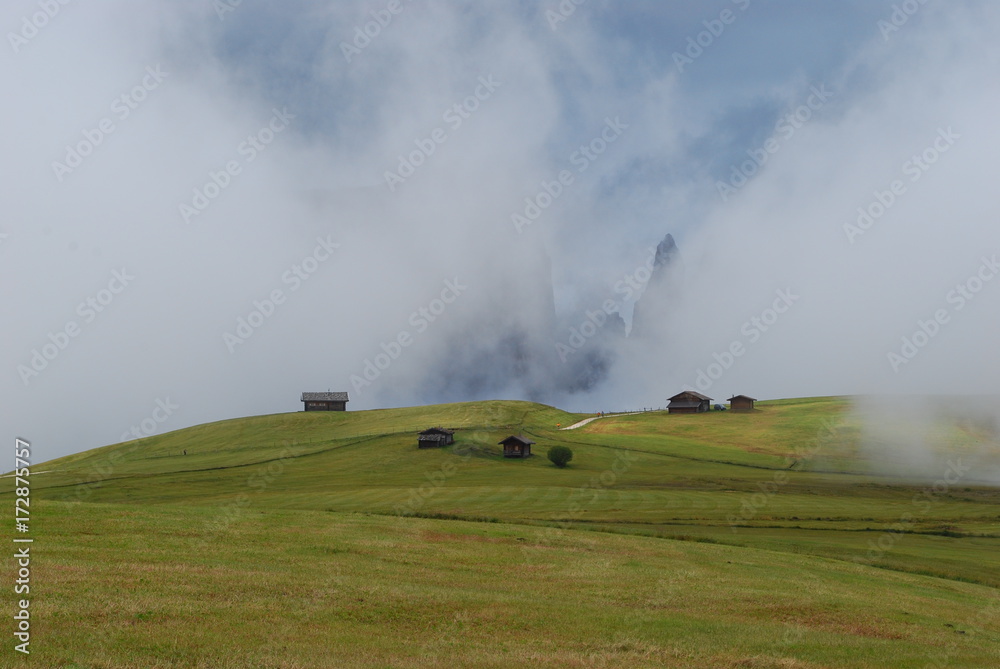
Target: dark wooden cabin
741, 403
689, 402
516, 447
435, 436
325, 401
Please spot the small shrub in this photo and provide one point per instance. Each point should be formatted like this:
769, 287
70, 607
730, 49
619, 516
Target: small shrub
560, 456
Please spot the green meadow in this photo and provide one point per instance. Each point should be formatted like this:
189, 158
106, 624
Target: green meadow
330, 540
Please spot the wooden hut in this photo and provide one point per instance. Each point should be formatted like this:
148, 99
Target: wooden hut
741, 403
516, 447
689, 402
434, 437
325, 401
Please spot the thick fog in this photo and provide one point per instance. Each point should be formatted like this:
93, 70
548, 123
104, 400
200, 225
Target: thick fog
211, 207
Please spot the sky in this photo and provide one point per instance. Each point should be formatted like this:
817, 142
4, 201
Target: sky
211, 207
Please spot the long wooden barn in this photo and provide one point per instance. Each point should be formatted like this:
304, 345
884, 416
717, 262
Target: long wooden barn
689, 402
325, 401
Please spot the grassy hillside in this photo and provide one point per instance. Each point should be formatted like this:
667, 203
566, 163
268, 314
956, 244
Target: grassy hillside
803, 516
136, 588
786, 477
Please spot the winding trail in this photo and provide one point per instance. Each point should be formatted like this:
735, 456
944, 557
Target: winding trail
581, 423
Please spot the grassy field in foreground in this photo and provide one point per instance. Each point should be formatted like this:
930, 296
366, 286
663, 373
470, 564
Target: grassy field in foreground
795, 552
119, 587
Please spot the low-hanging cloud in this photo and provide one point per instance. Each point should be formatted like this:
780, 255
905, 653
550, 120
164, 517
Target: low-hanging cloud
246, 194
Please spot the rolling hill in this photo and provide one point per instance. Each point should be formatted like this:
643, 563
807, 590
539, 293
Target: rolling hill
720, 539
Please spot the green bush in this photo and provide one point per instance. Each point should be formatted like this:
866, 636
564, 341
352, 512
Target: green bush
560, 456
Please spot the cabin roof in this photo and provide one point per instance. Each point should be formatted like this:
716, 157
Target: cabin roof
689, 393
742, 397
324, 397
437, 430
520, 440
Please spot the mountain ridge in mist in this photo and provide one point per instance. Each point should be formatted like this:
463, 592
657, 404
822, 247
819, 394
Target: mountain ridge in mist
512, 343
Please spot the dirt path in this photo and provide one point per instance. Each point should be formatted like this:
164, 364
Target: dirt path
581, 423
